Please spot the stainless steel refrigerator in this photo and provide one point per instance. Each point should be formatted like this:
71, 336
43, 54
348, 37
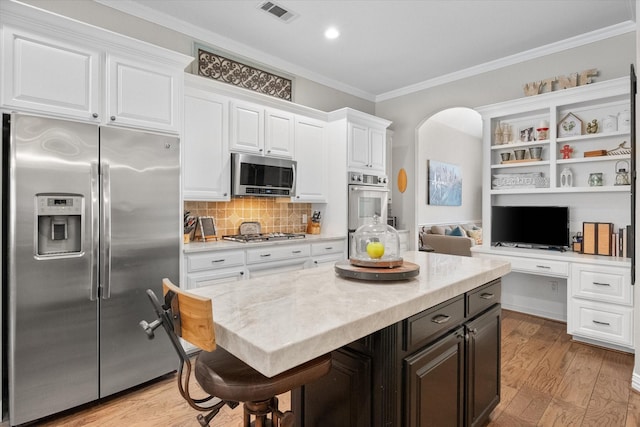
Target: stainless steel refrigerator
93, 221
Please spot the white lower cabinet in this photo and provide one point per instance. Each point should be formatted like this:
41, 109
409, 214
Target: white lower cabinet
277, 259
208, 268
323, 253
601, 304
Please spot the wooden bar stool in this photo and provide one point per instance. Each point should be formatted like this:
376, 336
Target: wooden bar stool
224, 377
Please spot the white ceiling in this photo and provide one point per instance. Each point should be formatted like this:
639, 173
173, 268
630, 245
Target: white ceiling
392, 47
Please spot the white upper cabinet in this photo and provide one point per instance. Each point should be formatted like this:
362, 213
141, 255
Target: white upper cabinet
41, 75
206, 159
141, 94
60, 67
313, 162
367, 148
261, 131
247, 128
279, 133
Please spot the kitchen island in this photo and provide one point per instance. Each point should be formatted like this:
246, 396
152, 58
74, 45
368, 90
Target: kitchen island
277, 322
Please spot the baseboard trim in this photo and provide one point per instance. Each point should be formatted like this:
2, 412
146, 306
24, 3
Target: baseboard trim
635, 381
535, 312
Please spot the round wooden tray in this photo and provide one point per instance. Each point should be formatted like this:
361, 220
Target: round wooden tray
381, 263
406, 271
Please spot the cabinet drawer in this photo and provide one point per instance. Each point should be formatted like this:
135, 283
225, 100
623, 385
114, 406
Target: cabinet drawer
424, 327
540, 266
273, 253
214, 260
600, 321
324, 248
604, 284
482, 298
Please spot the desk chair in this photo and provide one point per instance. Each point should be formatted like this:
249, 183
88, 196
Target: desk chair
224, 377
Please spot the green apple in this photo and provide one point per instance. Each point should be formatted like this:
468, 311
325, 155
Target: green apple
375, 250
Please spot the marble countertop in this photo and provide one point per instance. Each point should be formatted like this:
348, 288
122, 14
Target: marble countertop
276, 322
221, 245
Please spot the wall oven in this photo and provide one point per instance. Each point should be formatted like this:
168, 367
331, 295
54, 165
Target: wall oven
368, 195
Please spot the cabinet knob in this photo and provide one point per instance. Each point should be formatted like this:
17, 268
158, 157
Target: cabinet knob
242, 273
224, 194
113, 118
95, 115
268, 151
260, 150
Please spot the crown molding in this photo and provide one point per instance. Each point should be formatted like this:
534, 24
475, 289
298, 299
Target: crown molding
570, 43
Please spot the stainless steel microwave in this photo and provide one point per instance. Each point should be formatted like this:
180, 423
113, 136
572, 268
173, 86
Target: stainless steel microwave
262, 176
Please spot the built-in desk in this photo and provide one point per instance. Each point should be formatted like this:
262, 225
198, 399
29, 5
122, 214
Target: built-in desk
599, 295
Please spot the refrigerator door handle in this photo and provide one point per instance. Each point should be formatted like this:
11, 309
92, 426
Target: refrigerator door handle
95, 230
105, 242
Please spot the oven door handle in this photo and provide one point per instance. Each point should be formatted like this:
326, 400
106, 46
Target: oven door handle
357, 188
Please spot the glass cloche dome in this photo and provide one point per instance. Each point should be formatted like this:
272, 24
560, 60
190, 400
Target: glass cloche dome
375, 245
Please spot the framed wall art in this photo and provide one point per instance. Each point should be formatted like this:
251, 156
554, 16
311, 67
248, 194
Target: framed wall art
444, 184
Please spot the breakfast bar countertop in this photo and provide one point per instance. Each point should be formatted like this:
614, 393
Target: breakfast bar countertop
277, 322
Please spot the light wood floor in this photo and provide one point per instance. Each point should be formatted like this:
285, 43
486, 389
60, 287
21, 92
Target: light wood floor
547, 380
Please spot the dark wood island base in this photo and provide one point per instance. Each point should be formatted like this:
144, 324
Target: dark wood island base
440, 367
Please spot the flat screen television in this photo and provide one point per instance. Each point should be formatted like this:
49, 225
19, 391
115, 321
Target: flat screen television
530, 226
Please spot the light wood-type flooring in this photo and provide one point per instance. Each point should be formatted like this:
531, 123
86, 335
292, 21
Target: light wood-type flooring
547, 380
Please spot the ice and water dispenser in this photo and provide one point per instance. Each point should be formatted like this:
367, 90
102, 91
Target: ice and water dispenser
59, 224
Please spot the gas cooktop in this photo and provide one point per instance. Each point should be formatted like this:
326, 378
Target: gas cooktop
263, 237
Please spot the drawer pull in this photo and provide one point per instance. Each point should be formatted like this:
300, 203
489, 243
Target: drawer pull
544, 266
441, 318
601, 284
597, 322
264, 255
296, 252
328, 248
487, 295
217, 260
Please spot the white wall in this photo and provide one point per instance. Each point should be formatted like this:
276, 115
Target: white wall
612, 57
441, 142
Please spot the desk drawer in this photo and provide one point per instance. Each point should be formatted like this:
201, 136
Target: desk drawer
542, 267
275, 253
600, 321
482, 298
214, 260
425, 327
598, 283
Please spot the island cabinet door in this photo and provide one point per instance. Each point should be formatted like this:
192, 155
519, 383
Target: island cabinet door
434, 383
483, 366
339, 399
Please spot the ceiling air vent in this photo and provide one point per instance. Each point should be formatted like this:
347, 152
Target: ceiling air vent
277, 11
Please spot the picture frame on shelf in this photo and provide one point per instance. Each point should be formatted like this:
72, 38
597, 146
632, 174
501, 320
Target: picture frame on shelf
526, 134
569, 125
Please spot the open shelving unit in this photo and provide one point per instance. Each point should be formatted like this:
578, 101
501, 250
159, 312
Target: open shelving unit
593, 101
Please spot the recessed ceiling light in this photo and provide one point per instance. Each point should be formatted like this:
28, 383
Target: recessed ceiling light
332, 33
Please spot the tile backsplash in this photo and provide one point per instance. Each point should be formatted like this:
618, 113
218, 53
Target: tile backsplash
273, 214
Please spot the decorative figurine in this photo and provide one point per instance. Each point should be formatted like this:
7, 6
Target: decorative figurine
593, 126
566, 152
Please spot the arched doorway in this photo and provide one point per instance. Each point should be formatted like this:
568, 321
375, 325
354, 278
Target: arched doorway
452, 136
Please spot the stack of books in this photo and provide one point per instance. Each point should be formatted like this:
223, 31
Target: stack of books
601, 238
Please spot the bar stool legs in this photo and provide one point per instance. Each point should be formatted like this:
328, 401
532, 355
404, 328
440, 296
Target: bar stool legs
261, 409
